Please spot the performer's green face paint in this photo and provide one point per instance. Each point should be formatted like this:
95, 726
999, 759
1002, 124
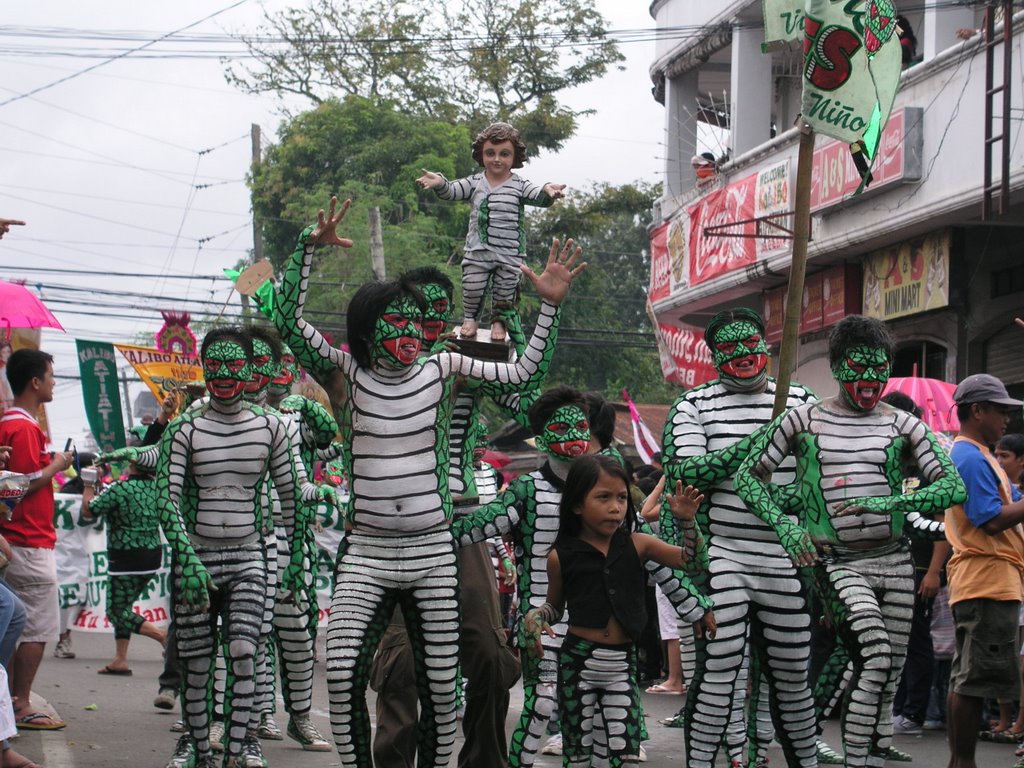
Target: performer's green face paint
566, 434
862, 374
439, 312
398, 334
740, 352
264, 367
479, 441
227, 370
287, 372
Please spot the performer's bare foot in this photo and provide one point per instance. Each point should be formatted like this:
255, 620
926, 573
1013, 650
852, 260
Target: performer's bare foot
497, 331
468, 330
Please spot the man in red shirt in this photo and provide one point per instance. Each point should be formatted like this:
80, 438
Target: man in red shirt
32, 573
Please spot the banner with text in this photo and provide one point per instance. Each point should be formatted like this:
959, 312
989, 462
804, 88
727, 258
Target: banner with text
659, 288
852, 65
98, 368
783, 22
163, 372
685, 357
81, 555
908, 278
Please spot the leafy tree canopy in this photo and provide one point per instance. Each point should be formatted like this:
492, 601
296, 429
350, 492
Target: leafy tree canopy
471, 61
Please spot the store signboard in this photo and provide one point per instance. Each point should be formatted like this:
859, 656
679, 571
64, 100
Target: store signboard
773, 196
908, 278
827, 299
834, 177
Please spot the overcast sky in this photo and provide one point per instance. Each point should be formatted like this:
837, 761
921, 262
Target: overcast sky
139, 165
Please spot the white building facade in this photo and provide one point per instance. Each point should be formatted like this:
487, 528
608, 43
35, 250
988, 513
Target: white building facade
913, 250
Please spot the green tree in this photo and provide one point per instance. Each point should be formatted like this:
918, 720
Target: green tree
472, 61
606, 342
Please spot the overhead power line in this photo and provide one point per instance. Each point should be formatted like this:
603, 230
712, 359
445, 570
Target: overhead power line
148, 44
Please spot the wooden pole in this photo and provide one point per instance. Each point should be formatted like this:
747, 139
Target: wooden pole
798, 270
376, 244
257, 239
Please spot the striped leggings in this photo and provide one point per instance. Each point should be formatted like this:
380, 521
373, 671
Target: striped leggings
596, 680
241, 580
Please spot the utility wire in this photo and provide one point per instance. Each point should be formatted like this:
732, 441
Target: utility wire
118, 56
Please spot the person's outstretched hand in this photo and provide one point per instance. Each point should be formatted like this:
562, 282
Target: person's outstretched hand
326, 231
553, 283
6, 224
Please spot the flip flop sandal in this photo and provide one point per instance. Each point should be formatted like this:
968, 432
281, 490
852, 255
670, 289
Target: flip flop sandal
659, 688
31, 723
111, 671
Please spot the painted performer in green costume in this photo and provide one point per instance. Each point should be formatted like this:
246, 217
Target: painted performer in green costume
850, 451
134, 553
760, 600
213, 460
395, 421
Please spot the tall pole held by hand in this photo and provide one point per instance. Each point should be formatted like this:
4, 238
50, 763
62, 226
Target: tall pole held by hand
798, 270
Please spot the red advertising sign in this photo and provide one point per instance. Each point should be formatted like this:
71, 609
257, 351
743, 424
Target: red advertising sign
714, 256
834, 177
660, 265
810, 310
828, 297
834, 306
685, 358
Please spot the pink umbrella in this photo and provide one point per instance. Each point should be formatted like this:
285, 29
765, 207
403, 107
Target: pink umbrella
20, 308
933, 397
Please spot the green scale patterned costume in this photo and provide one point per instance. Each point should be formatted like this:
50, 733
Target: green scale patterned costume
850, 452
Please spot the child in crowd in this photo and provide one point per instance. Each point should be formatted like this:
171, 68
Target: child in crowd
496, 242
596, 548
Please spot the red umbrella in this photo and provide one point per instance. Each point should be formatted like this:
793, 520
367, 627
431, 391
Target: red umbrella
933, 397
19, 308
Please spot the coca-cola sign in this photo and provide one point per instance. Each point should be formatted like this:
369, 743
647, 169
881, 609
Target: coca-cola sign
834, 177
685, 358
711, 256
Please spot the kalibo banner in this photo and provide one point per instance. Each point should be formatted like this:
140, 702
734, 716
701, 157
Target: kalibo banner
82, 568
98, 368
163, 372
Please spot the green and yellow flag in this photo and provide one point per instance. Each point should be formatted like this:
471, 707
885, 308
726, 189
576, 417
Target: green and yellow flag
852, 63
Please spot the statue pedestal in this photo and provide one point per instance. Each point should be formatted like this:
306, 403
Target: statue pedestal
482, 348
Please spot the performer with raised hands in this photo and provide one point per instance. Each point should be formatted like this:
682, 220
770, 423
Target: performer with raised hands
396, 418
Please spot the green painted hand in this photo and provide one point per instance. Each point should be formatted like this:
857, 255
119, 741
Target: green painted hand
195, 586
797, 543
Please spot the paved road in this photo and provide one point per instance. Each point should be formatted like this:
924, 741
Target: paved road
125, 730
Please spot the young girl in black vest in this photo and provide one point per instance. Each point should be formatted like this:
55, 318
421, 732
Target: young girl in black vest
596, 567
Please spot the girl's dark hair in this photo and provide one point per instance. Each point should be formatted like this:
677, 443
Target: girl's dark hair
1013, 442
368, 304
235, 335
584, 473
497, 133
903, 401
858, 331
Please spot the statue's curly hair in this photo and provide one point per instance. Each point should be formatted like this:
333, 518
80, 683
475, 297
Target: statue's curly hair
497, 133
